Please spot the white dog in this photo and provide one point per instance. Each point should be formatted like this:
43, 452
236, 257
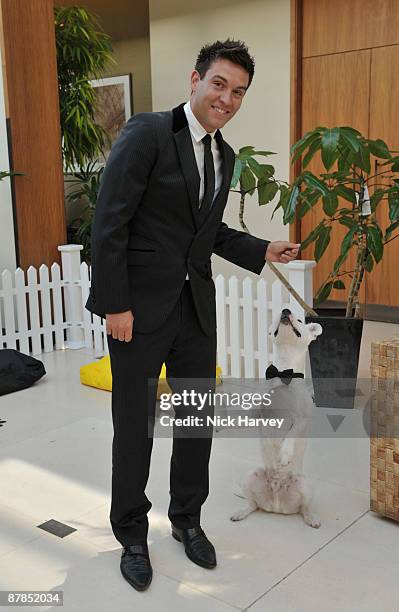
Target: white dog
280, 486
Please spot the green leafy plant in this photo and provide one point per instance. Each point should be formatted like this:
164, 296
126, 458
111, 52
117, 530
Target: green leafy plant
343, 191
5, 173
250, 176
83, 50
87, 184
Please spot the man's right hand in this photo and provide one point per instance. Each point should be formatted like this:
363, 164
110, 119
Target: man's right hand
120, 325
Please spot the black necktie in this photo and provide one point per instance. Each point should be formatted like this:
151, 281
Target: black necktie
209, 176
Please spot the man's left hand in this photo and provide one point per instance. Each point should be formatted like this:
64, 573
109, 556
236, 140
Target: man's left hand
281, 251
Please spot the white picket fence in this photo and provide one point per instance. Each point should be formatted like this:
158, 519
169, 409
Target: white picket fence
42, 313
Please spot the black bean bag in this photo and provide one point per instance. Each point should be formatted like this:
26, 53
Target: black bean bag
18, 371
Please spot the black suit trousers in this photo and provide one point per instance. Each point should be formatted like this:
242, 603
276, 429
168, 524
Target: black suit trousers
188, 353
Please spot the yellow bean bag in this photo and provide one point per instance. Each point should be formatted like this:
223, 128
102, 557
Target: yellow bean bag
98, 374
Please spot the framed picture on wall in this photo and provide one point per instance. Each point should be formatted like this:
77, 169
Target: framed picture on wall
114, 100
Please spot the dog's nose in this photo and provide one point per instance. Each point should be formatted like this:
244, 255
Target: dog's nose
285, 312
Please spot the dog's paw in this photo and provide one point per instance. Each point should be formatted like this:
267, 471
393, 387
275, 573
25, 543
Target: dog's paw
286, 453
312, 520
241, 514
285, 458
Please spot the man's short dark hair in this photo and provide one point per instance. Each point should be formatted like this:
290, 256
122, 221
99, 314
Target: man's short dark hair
233, 50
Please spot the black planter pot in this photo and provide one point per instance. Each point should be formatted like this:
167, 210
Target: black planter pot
334, 360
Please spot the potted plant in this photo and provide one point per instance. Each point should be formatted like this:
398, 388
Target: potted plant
349, 195
87, 184
343, 192
250, 177
5, 173
83, 50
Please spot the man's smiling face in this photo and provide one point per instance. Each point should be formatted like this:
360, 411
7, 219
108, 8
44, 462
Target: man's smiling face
216, 97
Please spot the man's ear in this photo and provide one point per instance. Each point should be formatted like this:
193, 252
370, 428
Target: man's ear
195, 77
315, 329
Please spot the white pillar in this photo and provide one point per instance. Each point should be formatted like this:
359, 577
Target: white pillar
300, 276
70, 263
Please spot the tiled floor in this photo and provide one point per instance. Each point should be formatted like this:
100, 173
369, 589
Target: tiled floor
55, 463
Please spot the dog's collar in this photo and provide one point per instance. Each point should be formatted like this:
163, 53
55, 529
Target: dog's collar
285, 375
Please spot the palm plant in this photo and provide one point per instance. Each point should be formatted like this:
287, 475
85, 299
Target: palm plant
83, 50
87, 183
5, 173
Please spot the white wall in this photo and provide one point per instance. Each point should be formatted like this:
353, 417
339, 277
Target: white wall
7, 242
177, 31
133, 55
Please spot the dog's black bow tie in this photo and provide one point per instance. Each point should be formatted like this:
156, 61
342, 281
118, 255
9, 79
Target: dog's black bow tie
286, 375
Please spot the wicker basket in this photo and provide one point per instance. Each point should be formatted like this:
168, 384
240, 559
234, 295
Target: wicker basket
384, 438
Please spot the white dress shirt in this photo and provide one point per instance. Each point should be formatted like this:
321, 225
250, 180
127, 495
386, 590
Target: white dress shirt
197, 132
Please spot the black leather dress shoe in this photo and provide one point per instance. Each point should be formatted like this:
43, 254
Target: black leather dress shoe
197, 546
136, 566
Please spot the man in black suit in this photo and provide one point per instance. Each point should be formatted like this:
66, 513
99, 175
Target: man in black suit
158, 219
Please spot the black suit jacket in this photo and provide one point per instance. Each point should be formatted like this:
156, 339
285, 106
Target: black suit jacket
147, 231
